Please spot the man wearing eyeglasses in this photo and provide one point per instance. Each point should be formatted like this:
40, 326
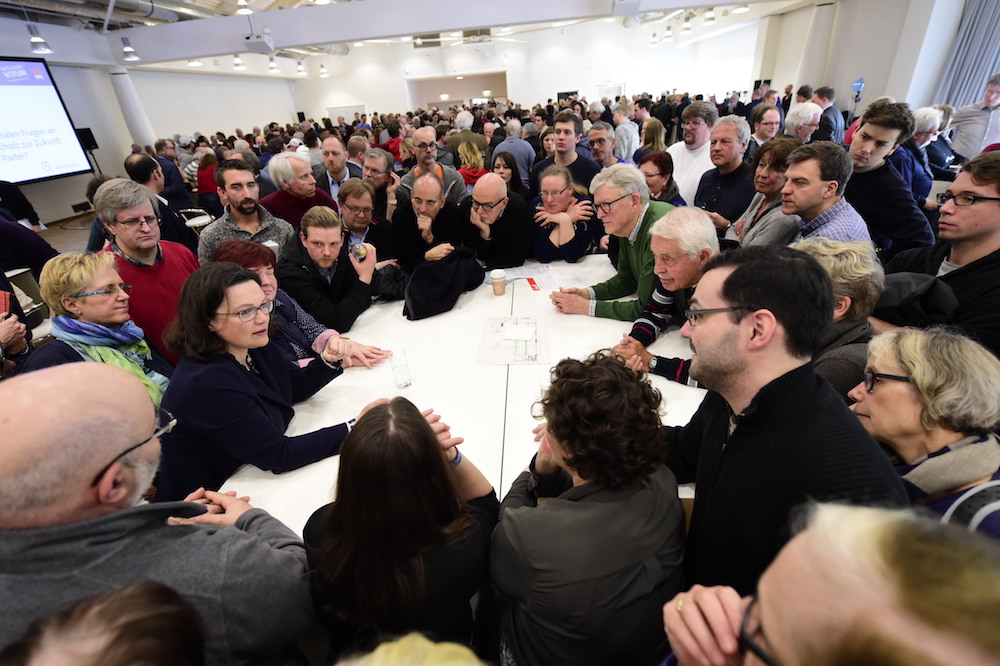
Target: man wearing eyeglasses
771, 434
72, 470
766, 120
155, 268
499, 224
378, 173
429, 227
146, 171
802, 121
967, 254
425, 147
691, 156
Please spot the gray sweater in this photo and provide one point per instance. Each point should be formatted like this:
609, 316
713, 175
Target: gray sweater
247, 582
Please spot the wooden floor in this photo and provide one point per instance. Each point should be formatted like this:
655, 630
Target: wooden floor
69, 235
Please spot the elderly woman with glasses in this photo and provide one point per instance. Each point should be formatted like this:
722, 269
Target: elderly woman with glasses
567, 224
92, 323
232, 392
933, 397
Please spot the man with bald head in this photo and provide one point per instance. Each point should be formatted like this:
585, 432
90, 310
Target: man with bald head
72, 469
499, 224
428, 227
425, 150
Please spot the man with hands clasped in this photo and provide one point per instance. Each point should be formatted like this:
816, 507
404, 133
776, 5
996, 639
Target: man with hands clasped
621, 198
499, 229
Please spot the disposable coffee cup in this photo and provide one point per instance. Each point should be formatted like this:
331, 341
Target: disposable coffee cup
499, 279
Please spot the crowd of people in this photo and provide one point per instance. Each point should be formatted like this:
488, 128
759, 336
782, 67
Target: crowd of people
843, 320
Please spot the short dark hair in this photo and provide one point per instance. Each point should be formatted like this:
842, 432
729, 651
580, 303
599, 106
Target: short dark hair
161, 144
248, 254
355, 187
140, 167
757, 115
570, 117
890, 115
606, 419
804, 91
789, 283
704, 110
985, 169
200, 298
662, 159
644, 103
779, 150
235, 164
834, 162
826, 92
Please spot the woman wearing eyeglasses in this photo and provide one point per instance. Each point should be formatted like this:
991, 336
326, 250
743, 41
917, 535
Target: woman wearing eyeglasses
933, 397
92, 322
232, 392
567, 224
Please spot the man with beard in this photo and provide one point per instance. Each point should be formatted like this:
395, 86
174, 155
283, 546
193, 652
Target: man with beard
770, 435
244, 218
602, 144
691, 156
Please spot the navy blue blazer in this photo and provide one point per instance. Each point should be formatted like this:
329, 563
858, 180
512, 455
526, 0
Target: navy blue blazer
228, 416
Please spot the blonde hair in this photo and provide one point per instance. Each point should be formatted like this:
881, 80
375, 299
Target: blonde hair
957, 378
415, 650
891, 565
66, 274
654, 135
471, 157
320, 217
854, 269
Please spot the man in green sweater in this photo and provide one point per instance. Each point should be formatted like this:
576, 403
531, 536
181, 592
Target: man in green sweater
622, 202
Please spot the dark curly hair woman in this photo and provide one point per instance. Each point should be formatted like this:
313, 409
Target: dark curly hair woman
584, 574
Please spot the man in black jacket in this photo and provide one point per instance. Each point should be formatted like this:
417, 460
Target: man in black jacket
327, 280
770, 435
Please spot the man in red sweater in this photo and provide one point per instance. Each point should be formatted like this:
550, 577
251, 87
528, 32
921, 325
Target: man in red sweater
297, 192
156, 269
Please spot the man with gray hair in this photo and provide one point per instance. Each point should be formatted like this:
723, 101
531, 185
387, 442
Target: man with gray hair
601, 139
977, 125
691, 156
726, 190
463, 123
425, 150
522, 151
156, 269
802, 121
683, 241
622, 201
73, 468
297, 191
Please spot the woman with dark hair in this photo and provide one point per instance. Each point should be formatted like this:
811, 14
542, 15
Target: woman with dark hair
763, 222
405, 544
208, 198
505, 166
546, 144
232, 392
658, 168
298, 335
567, 224
583, 575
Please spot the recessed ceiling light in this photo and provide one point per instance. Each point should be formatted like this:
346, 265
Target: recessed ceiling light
358, 45
244, 7
193, 62
459, 78
128, 53
323, 74
272, 65
238, 64
741, 9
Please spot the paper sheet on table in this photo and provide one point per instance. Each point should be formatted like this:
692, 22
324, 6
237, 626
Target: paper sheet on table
513, 340
545, 277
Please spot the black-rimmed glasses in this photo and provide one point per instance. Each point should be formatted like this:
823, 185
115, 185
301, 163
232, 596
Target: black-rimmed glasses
693, 316
872, 378
747, 632
962, 199
250, 314
165, 422
150, 220
605, 207
487, 206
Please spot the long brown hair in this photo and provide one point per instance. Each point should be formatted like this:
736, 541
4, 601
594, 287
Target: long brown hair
396, 498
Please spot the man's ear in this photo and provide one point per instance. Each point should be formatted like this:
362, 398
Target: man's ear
763, 327
113, 486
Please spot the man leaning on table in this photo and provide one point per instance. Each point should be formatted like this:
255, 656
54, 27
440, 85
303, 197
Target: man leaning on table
770, 434
622, 202
72, 470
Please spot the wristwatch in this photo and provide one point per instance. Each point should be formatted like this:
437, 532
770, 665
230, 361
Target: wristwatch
652, 364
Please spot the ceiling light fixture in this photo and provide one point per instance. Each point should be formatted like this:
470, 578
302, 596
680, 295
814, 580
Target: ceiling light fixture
300, 69
238, 64
244, 7
686, 28
38, 45
741, 9
668, 36
128, 53
459, 78
194, 62
321, 2
487, 93
709, 17
323, 74
444, 96
272, 65
358, 45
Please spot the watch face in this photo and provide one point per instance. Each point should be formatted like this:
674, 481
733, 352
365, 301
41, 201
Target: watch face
652, 363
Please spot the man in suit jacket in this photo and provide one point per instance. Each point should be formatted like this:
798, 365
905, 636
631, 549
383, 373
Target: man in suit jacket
831, 122
335, 169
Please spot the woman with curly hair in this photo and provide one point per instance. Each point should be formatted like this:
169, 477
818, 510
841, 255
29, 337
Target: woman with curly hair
583, 575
